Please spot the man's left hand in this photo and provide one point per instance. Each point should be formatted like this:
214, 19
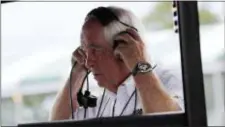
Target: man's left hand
132, 50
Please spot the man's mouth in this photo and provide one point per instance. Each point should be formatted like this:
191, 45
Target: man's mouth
96, 76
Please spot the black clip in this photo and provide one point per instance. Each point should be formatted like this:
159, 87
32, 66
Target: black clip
138, 112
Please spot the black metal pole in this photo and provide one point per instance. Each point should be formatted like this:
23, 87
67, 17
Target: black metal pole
191, 63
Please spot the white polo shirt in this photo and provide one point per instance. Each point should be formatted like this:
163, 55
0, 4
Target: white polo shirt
172, 84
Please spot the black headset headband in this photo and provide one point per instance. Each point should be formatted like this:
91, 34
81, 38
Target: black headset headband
104, 15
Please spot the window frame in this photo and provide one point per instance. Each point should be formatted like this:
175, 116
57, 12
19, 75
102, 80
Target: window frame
195, 109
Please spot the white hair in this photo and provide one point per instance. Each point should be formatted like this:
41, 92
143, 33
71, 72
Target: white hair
116, 27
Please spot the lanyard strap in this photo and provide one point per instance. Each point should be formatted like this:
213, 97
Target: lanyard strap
135, 92
135, 104
103, 95
104, 107
113, 112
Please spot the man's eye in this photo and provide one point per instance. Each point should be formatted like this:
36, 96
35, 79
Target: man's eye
99, 50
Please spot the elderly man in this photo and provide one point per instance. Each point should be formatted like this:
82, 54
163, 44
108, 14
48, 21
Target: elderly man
113, 49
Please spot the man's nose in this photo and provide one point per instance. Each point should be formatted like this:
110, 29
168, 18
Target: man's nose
90, 61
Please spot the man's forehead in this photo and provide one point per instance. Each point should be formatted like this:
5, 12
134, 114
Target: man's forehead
92, 32
87, 43
91, 28
92, 23
90, 38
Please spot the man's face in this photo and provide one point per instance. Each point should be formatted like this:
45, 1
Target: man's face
100, 58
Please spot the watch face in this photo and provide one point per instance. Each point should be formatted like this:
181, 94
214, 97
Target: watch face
144, 67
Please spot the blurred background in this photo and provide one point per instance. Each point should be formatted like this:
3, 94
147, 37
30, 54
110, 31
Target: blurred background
39, 37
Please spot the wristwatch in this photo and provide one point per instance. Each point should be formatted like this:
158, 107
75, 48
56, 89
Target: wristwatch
142, 68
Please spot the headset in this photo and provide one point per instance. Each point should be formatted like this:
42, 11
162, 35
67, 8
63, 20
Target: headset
86, 100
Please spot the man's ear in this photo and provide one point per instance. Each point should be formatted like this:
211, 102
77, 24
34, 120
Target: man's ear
118, 57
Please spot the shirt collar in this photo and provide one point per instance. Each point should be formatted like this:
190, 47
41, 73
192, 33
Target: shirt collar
127, 87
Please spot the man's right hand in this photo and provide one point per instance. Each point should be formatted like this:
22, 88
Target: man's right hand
61, 108
79, 71
79, 56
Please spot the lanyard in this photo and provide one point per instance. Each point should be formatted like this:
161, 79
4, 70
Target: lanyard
135, 104
125, 106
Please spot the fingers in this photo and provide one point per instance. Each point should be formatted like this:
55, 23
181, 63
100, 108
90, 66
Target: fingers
81, 52
122, 39
79, 56
117, 42
127, 44
134, 34
129, 32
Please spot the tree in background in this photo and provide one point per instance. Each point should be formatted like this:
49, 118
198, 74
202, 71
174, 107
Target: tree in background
161, 16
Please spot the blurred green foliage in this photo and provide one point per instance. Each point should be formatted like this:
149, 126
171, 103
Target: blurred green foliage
161, 16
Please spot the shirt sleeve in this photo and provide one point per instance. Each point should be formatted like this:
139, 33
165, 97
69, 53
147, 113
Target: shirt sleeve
173, 84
